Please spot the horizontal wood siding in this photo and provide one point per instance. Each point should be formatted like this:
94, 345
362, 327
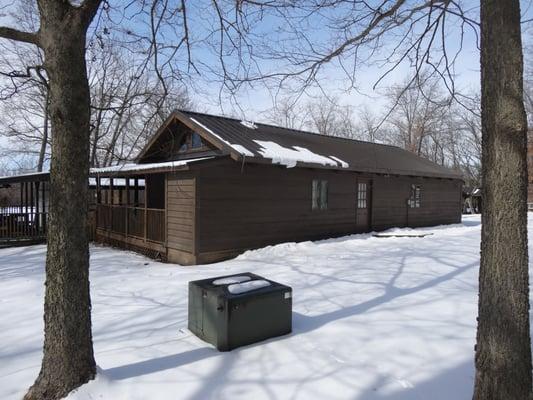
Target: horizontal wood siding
269, 204
250, 206
181, 203
440, 202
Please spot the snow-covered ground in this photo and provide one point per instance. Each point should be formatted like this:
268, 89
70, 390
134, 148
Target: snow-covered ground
374, 318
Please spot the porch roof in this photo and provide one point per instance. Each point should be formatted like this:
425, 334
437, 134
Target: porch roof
139, 169
117, 170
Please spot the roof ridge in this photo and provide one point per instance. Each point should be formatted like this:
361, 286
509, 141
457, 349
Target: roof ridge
294, 131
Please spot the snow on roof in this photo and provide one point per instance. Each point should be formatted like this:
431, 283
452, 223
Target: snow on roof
243, 150
238, 148
116, 182
343, 164
24, 175
290, 156
144, 167
244, 287
249, 124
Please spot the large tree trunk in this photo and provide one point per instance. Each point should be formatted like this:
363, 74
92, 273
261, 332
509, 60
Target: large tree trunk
503, 353
68, 359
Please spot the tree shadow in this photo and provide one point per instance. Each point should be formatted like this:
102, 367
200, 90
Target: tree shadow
160, 363
453, 383
301, 325
304, 323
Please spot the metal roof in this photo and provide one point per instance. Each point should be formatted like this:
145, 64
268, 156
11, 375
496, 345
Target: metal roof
248, 139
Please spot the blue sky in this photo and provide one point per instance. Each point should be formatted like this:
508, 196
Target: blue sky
251, 103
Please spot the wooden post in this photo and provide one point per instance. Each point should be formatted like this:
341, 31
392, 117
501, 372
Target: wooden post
21, 197
145, 206
44, 208
31, 215
98, 194
26, 202
136, 193
127, 204
37, 215
26, 197
111, 191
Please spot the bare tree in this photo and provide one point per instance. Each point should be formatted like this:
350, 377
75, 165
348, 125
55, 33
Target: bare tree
128, 103
418, 34
418, 109
503, 350
328, 117
370, 124
159, 30
288, 113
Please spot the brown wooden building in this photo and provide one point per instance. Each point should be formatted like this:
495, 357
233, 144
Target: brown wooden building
206, 188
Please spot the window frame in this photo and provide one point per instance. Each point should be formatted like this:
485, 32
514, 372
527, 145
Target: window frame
362, 195
187, 145
319, 195
415, 197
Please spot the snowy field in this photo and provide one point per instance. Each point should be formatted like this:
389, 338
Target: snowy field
374, 318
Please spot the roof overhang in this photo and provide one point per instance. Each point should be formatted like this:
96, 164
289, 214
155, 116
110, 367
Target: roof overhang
34, 177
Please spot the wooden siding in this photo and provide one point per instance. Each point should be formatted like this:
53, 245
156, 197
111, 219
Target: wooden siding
250, 206
440, 202
181, 204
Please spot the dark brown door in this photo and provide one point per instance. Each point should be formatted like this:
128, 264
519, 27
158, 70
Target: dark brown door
363, 204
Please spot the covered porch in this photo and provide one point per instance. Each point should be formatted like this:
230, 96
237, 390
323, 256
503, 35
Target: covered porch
130, 211
24, 208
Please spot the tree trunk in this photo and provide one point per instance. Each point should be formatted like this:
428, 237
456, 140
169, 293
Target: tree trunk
503, 353
68, 359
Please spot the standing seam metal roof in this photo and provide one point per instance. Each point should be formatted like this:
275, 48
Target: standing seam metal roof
360, 156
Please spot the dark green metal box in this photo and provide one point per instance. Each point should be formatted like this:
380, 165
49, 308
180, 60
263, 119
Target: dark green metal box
228, 320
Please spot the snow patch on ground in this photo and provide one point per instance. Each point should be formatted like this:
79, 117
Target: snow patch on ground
373, 319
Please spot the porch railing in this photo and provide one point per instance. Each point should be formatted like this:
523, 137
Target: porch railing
16, 225
142, 223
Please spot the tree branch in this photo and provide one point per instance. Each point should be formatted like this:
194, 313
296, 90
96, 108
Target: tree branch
88, 9
19, 36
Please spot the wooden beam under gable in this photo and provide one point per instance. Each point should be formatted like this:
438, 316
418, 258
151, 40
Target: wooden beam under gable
204, 133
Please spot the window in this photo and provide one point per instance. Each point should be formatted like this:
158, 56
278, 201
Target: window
192, 141
361, 195
319, 199
414, 199
196, 141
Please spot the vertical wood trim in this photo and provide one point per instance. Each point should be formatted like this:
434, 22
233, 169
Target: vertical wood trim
127, 213
136, 193
196, 225
44, 197
31, 198
356, 202
370, 195
145, 207
112, 191
166, 212
98, 188
26, 197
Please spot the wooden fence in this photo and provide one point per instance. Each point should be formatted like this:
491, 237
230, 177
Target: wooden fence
17, 225
147, 224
